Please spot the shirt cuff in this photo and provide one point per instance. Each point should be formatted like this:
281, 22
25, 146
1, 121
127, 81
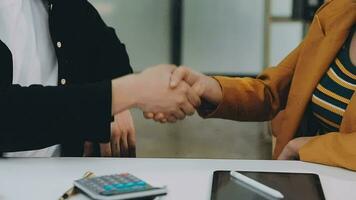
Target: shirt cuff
224, 108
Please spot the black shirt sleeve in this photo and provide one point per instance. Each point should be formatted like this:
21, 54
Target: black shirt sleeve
36, 117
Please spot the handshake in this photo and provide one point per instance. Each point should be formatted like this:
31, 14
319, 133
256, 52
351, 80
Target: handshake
165, 93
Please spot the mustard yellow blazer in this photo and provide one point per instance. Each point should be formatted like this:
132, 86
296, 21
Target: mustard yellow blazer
289, 87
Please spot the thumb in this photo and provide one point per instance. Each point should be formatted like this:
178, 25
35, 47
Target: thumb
199, 88
177, 76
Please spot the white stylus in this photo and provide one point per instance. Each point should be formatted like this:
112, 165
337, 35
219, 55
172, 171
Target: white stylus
257, 185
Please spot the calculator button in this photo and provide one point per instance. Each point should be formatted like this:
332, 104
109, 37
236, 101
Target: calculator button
109, 187
119, 185
126, 185
140, 183
130, 184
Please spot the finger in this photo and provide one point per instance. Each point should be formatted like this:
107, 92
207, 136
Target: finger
156, 120
131, 139
105, 149
171, 119
198, 88
281, 157
188, 109
148, 115
163, 120
115, 139
177, 76
124, 146
286, 154
88, 149
115, 146
159, 116
189, 95
193, 98
179, 114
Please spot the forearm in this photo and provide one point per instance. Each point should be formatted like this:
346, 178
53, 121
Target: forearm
253, 99
243, 99
124, 92
213, 91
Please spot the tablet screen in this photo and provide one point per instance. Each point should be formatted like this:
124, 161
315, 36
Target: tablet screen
294, 186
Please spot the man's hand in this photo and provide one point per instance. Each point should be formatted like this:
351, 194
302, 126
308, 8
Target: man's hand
291, 150
150, 92
123, 138
178, 101
204, 86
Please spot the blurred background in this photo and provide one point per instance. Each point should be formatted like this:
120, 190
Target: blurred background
225, 37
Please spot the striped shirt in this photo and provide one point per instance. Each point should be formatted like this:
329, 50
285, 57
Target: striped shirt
334, 91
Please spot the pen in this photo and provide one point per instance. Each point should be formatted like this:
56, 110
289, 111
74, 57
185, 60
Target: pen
72, 191
257, 185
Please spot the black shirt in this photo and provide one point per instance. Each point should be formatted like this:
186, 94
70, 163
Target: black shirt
89, 55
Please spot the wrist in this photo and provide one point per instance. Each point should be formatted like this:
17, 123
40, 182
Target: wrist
123, 93
213, 91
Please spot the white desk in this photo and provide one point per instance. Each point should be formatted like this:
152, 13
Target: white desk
47, 179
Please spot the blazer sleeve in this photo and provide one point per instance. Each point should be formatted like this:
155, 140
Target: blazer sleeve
36, 116
333, 149
112, 56
260, 99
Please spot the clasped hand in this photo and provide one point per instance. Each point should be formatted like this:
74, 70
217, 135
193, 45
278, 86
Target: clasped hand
164, 93
184, 89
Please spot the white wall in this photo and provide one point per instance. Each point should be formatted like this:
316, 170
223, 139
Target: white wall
224, 36
220, 36
285, 36
281, 8
143, 25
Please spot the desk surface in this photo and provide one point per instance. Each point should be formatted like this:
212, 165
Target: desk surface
37, 178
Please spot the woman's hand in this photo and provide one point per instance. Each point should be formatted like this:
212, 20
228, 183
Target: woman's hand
291, 150
204, 86
123, 138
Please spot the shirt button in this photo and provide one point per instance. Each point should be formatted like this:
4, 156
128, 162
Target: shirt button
63, 81
59, 44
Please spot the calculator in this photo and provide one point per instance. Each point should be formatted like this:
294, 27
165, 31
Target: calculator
117, 187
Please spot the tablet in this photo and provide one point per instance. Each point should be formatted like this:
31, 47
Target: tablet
294, 186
